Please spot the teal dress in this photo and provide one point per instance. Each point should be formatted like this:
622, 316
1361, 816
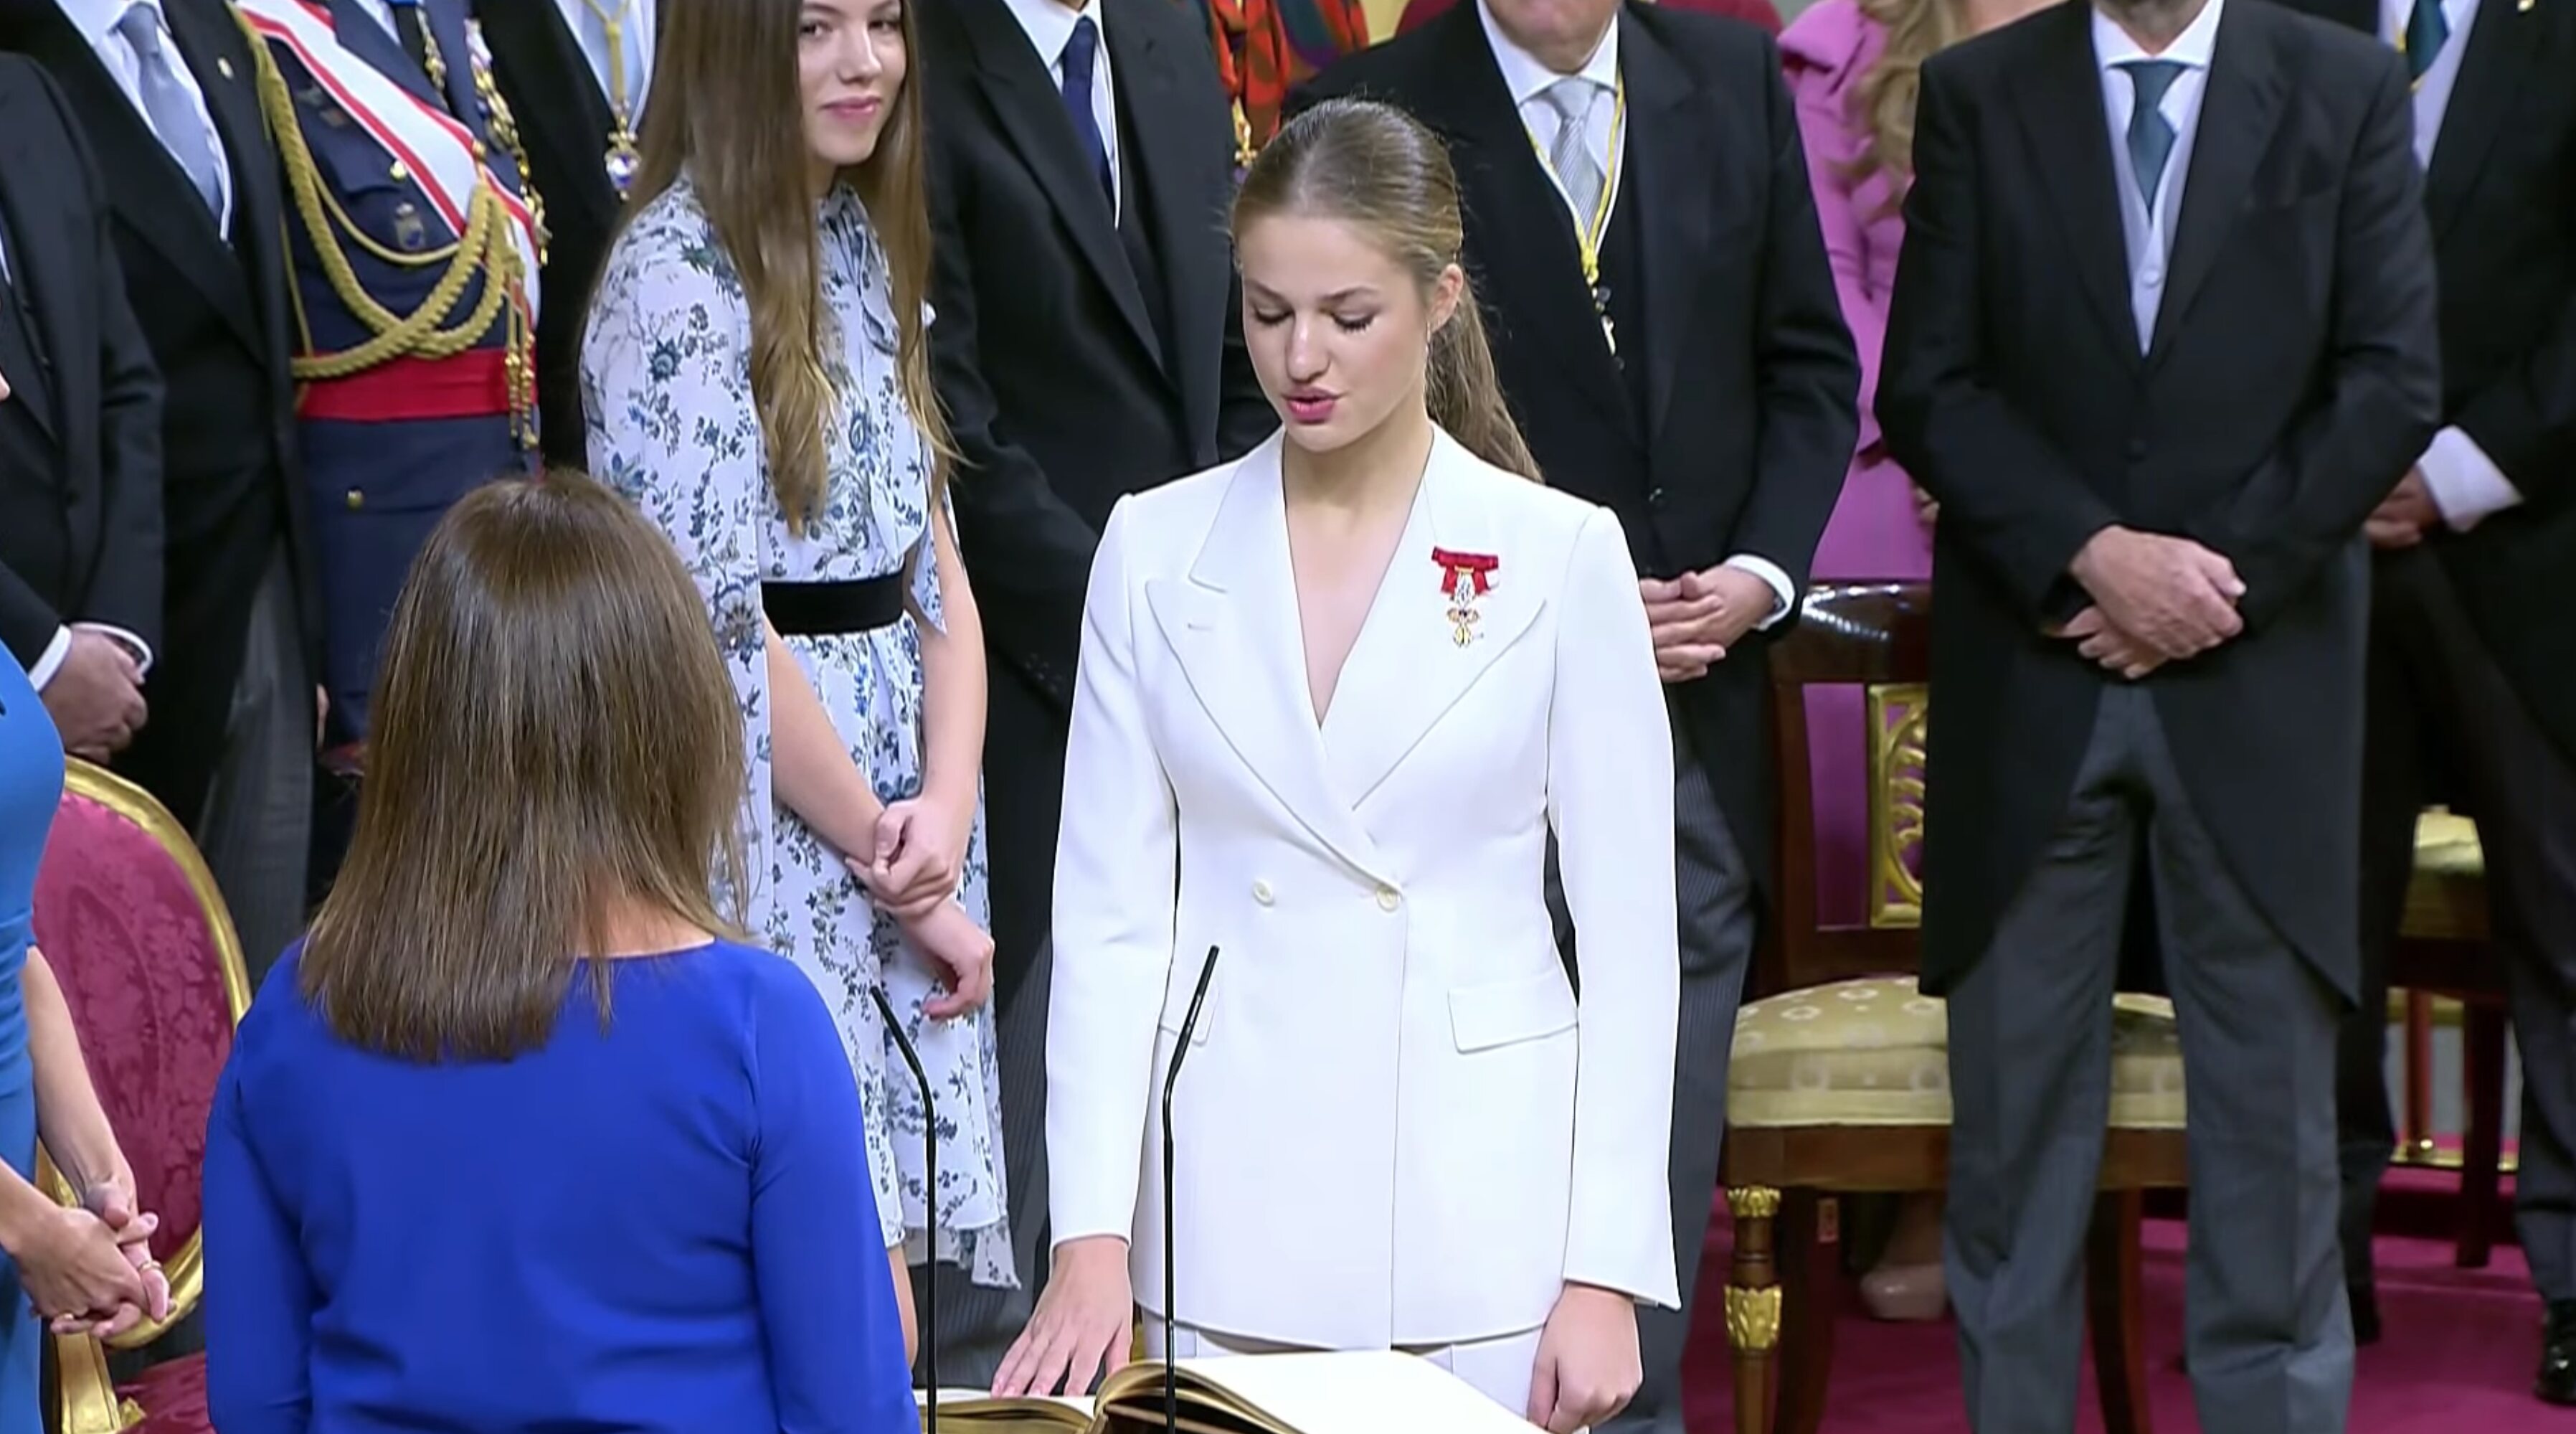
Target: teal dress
31, 783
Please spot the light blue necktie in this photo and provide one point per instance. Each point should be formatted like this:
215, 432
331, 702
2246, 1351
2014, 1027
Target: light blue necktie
2427, 30
181, 130
2151, 137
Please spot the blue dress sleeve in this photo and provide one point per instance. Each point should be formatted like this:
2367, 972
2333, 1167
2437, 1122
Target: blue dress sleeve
259, 1298
836, 1362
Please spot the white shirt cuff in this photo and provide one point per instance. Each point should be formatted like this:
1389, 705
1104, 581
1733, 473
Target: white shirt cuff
2465, 483
50, 661
1783, 592
141, 650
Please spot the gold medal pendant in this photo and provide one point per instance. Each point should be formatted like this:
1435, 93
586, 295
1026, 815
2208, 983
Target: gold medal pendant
1465, 577
622, 159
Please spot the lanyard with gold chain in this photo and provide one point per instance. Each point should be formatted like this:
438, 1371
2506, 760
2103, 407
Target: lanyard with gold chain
1589, 234
622, 158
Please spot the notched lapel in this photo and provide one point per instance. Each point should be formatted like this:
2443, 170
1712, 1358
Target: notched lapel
2508, 39
2238, 114
2061, 114
1031, 109
1669, 149
1232, 623
1154, 166
1407, 669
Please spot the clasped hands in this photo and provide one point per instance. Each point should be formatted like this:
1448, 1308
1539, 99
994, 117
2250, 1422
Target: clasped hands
89, 1270
912, 874
1697, 617
2156, 599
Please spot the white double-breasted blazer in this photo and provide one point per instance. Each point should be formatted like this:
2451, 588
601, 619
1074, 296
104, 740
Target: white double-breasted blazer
1396, 1124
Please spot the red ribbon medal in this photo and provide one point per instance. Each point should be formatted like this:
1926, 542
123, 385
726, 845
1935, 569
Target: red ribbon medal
1465, 577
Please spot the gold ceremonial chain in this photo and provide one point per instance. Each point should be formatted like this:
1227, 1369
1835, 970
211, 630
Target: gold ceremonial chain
483, 250
1588, 237
622, 158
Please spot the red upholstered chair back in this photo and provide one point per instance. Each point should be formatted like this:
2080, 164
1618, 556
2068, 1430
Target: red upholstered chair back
128, 917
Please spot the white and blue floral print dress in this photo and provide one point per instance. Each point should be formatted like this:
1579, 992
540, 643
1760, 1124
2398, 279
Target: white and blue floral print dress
666, 376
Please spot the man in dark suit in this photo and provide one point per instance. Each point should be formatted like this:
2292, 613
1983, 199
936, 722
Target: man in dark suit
574, 74
1088, 343
1642, 235
2472, 663
165, 96
2162, 335
80, 432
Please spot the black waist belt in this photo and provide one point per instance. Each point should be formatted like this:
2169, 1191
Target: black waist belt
821, 609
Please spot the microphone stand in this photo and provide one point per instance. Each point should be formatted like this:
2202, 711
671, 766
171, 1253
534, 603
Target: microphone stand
929, 1208
1171, 1240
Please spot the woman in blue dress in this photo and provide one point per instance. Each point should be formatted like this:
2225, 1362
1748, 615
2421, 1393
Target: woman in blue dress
88, 1267
757, 377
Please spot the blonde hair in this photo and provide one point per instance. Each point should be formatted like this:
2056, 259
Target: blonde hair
733, 123
1375, 167
1883, 102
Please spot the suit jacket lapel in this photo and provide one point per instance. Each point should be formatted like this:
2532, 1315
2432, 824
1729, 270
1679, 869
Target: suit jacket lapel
1667, 139
2504, 44
1233, 624
213, 43
2238, 112
361, 35
567, 112
2061, 114
1031, 110
1154, 163
1407, 668
1529, 267
22, 173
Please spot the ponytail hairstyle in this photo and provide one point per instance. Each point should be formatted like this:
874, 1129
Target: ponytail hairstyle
1377, 169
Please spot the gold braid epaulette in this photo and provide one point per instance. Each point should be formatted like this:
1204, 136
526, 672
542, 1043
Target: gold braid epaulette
484, 249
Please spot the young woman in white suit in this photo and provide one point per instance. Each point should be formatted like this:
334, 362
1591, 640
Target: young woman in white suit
1334, 698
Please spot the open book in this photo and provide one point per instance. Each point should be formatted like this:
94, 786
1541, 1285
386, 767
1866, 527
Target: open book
1367, 1392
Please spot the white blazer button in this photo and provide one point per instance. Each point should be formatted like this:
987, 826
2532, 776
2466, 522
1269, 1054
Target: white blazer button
1387, 900
1261, 892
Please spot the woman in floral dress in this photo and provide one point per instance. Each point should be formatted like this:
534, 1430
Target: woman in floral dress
775, 419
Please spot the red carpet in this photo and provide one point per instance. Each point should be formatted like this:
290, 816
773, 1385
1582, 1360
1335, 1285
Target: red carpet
2457, 1358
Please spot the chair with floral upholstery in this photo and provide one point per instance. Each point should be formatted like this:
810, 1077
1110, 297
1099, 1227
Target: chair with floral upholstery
129, 918
1839, 1081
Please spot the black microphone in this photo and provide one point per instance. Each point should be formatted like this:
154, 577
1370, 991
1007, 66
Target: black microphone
1171, 1300
929, 1209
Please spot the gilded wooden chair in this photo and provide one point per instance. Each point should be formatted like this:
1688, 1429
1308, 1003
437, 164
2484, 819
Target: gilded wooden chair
1839, 1081
128, 916
2442, 952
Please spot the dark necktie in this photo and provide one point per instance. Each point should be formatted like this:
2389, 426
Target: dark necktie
2151, 136
1080, 53
414, 36
2427, 29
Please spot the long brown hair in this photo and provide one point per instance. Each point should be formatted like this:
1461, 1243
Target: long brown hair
553, 734
1884, 100
1376, 168
729, 113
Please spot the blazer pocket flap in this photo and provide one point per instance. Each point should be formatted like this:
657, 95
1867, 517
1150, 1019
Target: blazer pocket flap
1500, 1013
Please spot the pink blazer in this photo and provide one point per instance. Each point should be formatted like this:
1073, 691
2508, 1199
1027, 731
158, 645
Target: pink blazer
1826, 51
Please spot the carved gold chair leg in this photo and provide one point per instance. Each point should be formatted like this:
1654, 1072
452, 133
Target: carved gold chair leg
1753, 1305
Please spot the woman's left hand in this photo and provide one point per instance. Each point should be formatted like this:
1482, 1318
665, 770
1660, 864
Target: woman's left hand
1588, 1367
112, 1201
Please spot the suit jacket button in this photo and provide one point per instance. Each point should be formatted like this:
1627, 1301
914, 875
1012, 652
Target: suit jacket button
1654, 497
1387, 900
1261, 892
357, 500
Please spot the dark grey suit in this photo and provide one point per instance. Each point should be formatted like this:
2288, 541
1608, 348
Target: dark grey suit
2286, 379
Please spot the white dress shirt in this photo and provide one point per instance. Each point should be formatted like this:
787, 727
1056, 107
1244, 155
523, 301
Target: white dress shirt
2465, 483
588, 21
1528, 79
2150, 229
1049, 26
96, 20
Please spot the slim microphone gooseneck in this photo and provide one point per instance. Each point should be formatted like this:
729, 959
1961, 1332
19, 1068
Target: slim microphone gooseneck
929, 1209
1171, 1242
